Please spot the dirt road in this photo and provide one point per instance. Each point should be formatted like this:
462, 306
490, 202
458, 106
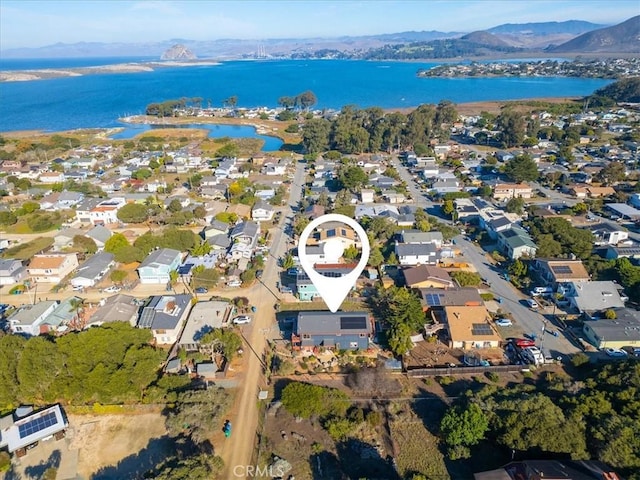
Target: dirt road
237, 451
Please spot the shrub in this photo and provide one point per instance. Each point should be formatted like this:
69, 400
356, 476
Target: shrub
444, 381
374, 418
339, 428
493, 377
579, 359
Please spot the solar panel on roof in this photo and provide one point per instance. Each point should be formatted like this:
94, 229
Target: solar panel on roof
146, 319
433, 299
561, 269
481, 329
37, 424
353, 323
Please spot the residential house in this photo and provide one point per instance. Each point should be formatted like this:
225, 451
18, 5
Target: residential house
466, 210
622, 331
375, 210
52, 268
204, 317
470, 328
265, 194
516, 242
216, 227
421, 238
367, 195
506, 191
209, 181
314, 211
239, 251
578, 191
100, 235
225, 168
560, 270
416, 254
64, 238
340, 330
437, 298
207, 261
623, 211
552, 470
246, 232
183, 199
28, 319
599, 192
51, 177
68, 199
164, 315
262, 212
614, 253
93, 270
305, 288
591, 298
24, 428
158, 265
444, 185
116, 308
274, 169
335, 232
106, 212
427, 276
634, 200
393, 197
12, 271
219, 243
214, 192
67, 313
608, 234
382, 182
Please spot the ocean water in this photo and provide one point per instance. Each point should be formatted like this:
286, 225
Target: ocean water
98, 101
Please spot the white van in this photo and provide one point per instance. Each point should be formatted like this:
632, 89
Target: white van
532, 303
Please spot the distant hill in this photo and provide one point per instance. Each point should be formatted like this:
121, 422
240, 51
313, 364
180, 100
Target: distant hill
624, 90
178, 52
573, 27
621, 38
485, 38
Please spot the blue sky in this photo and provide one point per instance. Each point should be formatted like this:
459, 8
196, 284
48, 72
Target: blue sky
32, 23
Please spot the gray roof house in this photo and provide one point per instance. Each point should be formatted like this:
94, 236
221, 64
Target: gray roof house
590, 298
12, 271
116, 308
100, 234
340, 330
61, 316
416, 254
64, 238
156, 268
216, 227
18, 432
93, 270
28, 319
622, 331
165, 315
219, 242
418, 237
246, 232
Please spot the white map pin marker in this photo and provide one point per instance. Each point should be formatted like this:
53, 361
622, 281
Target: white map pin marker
333, 290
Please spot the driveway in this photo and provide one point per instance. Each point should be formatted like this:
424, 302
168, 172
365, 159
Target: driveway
530, 321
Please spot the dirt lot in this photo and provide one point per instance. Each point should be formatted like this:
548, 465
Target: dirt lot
99, 447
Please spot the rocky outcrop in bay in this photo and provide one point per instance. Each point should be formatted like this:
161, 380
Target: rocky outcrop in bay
178, 52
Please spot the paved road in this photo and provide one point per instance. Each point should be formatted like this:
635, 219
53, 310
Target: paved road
238, 450
513, 302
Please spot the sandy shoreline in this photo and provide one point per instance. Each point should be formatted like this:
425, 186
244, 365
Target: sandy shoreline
43, 74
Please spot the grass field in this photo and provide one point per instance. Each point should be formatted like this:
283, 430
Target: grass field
29, 249
417, 449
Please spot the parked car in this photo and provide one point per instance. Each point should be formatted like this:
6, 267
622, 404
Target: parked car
201, 290
504, 322
234, 283
615, 352
541, 291
241, 320
522, 342
633, 351
259, 274
112, 289
532, 303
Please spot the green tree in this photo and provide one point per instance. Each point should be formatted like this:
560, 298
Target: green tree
375, 258
352, 177
305, 400
7, 218
175, 206
197, 413
199, 212
194, 467
467, 279
222, 340
133, 213
84, 244
448, 207
129, 254
464, 426
517, 268
399, 339
11, 348
315, 135
512, 125
521, 168
515, 205
118, 276
287, 262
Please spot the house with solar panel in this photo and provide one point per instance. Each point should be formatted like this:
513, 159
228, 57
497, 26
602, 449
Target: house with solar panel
469, 327
555, 271
339, 331
165, 315
25, 428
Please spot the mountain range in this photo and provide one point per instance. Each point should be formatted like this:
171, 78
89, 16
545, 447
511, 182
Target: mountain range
573, 36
